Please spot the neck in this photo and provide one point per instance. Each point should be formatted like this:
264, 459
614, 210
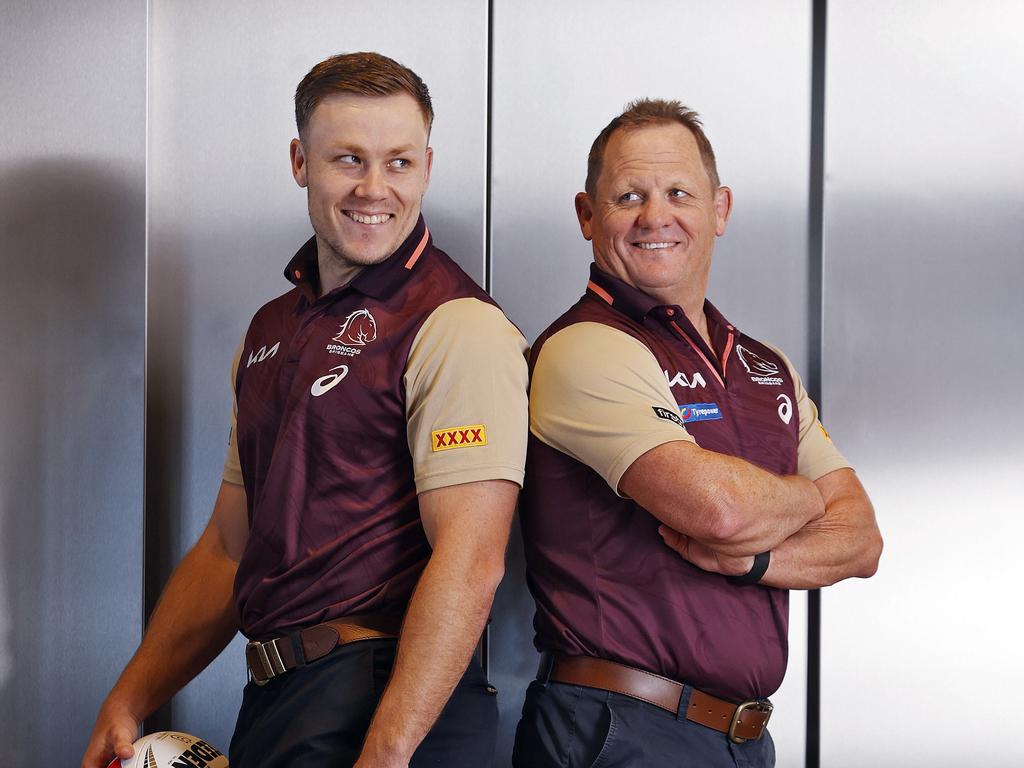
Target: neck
334, 270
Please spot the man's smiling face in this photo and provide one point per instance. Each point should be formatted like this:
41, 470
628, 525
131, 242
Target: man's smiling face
365, 164
654, 215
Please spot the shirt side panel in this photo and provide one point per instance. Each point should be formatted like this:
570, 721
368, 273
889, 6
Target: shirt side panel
817, 455
232, 467
599, 396
466, 406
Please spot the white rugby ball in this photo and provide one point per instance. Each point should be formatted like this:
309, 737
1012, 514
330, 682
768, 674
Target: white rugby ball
170, 749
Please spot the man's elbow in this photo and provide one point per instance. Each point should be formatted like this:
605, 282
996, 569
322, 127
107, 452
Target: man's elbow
870, 554
489, 574
725, 521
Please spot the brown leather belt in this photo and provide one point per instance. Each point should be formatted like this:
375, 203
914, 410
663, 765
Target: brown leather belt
741, 722
269, 658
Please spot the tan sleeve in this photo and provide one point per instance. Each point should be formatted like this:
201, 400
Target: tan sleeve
816, 454
600, 396
466, 407
232, 467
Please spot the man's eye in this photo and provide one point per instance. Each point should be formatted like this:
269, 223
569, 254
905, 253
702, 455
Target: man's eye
347, 159
678, 193
629, 197
400, 162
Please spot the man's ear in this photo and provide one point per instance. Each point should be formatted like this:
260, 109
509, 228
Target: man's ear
585, 213
298, 162
723, 207
430, 164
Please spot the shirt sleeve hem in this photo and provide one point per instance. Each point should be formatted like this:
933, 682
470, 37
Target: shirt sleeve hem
633, 452
461, 476
232, 475
821, 468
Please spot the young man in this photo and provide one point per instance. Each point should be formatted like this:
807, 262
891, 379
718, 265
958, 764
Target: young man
678, 482
371, 477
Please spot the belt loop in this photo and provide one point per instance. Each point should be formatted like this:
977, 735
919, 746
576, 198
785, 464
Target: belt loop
684, 702
547, 663
297, 650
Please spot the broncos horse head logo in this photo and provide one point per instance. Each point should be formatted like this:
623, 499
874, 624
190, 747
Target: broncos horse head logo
755, 364
358, 329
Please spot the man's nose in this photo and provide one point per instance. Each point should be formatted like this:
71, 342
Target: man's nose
372, 185
654, 213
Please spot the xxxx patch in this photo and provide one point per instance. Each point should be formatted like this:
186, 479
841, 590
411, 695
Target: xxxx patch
458, 437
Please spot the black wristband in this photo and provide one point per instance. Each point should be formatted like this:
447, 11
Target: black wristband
757, 570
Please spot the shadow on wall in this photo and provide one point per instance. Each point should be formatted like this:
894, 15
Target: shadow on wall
72, 310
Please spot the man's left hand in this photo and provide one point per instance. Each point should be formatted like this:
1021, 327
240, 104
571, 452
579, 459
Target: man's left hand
703, 556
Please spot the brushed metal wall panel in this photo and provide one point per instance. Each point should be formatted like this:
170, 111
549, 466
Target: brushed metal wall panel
72, 310
561, 72
922, 369
226, 216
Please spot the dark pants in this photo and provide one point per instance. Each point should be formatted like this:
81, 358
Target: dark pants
569, 726
317, 716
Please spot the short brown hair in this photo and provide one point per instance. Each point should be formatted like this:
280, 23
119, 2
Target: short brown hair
364, 73
643, 113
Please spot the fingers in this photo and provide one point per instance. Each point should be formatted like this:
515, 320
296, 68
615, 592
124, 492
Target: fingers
108, 745
674, 539
122, 739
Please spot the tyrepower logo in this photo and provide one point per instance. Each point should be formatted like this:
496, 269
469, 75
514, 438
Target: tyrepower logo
458, 437
699, 412
358, 330
761, 371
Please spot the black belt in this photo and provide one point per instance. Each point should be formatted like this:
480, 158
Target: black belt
741, 722
269, 658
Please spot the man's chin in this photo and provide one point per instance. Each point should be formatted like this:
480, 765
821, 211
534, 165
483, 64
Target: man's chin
361, 256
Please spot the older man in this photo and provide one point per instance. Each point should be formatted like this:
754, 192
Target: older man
372, 476
679, 482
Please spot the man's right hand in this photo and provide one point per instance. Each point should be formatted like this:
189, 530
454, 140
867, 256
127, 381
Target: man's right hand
115, 730
184, 633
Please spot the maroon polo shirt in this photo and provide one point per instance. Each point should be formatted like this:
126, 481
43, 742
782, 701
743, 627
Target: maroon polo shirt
604, 583
322, 440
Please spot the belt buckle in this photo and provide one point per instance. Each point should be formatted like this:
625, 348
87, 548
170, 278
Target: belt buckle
269, 660
758, 705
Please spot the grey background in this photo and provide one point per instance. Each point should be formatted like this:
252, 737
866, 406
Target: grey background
147, 210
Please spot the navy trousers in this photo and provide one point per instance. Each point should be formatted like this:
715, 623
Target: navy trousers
569, 726
317, 716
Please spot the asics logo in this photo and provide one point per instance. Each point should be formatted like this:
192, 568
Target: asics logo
325, 384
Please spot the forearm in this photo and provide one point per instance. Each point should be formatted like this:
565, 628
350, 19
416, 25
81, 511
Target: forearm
841, 545
723, 502
192, 622
443, 623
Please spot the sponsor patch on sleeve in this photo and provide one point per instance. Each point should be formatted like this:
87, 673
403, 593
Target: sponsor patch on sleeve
700, 412
445, 439
667, 415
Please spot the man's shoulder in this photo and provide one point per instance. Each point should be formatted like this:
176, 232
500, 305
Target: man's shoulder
592, 318
442, 279
278, 310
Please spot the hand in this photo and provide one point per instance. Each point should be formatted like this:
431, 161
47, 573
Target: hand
116, 728
703, 556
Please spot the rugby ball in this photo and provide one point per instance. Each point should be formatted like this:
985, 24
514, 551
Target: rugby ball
170, 749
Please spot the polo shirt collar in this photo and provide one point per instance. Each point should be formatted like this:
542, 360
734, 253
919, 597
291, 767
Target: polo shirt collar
377, 280
638, 305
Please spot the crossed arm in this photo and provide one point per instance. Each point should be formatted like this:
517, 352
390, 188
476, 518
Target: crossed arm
718, 512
